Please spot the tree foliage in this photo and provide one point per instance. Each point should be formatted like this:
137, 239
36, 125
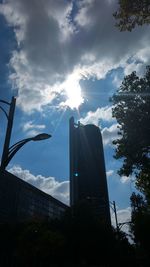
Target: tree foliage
132, 13
140, 217
132, 112
71, 241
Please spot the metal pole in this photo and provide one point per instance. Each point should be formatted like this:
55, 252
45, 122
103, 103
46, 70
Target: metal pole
116, 219
8, 132
15, 150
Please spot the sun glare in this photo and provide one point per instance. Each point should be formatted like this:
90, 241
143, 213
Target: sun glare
73, 92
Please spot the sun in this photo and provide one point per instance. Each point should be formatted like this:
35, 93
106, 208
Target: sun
73, 93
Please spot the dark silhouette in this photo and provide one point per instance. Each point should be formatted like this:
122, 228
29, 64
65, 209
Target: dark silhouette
132, 13
10, 151
21, 201
140, 217
37, 230
132, 112
71, 241
87, 170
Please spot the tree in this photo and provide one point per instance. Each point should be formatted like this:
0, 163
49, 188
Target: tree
132, 112
132, 13
140, 218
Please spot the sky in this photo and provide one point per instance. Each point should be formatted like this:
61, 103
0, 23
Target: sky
63, 58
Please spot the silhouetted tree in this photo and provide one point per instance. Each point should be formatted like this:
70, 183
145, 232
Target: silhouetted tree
132, 13
140, 217
91, 242
132, 112
137, 202
72, 241
39, 244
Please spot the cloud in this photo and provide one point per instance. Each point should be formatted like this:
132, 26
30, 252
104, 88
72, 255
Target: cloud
133, 67
32, 129
123, 216
49, 185
109, 134
110, 173
117, 81
104, 113
125, 179
57, 38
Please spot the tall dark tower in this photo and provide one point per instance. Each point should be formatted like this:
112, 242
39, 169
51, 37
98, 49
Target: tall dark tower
87, 169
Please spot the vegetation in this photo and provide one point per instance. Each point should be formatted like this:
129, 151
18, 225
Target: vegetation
140, 216
72, 241
132, 112
132, 13
131, 108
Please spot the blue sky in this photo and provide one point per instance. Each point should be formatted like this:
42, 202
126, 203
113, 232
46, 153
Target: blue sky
60, 59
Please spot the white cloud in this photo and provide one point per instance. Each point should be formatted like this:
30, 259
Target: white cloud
109, 134
123, 216
104, 113
139, 67
49, 185
32, 129
117, 81
143, 54
53, 44
82, 18
110, 173
125, 179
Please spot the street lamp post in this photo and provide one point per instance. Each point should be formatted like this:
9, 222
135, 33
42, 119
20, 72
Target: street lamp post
118, 225
115, 212
10, 118
14, 148
9, 152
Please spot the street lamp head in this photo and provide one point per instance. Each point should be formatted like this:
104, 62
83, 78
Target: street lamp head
9, 152
14, 148
41, 136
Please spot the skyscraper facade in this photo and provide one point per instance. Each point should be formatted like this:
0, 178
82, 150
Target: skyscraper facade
87, 169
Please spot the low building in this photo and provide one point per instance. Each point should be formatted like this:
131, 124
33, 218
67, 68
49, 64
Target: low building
20, 201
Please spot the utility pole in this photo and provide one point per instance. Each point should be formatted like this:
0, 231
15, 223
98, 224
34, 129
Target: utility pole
116, 219
8, 131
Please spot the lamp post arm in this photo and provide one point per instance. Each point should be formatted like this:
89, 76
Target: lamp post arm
18, 143
9, 152
14, 150
5, 102
4, 112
